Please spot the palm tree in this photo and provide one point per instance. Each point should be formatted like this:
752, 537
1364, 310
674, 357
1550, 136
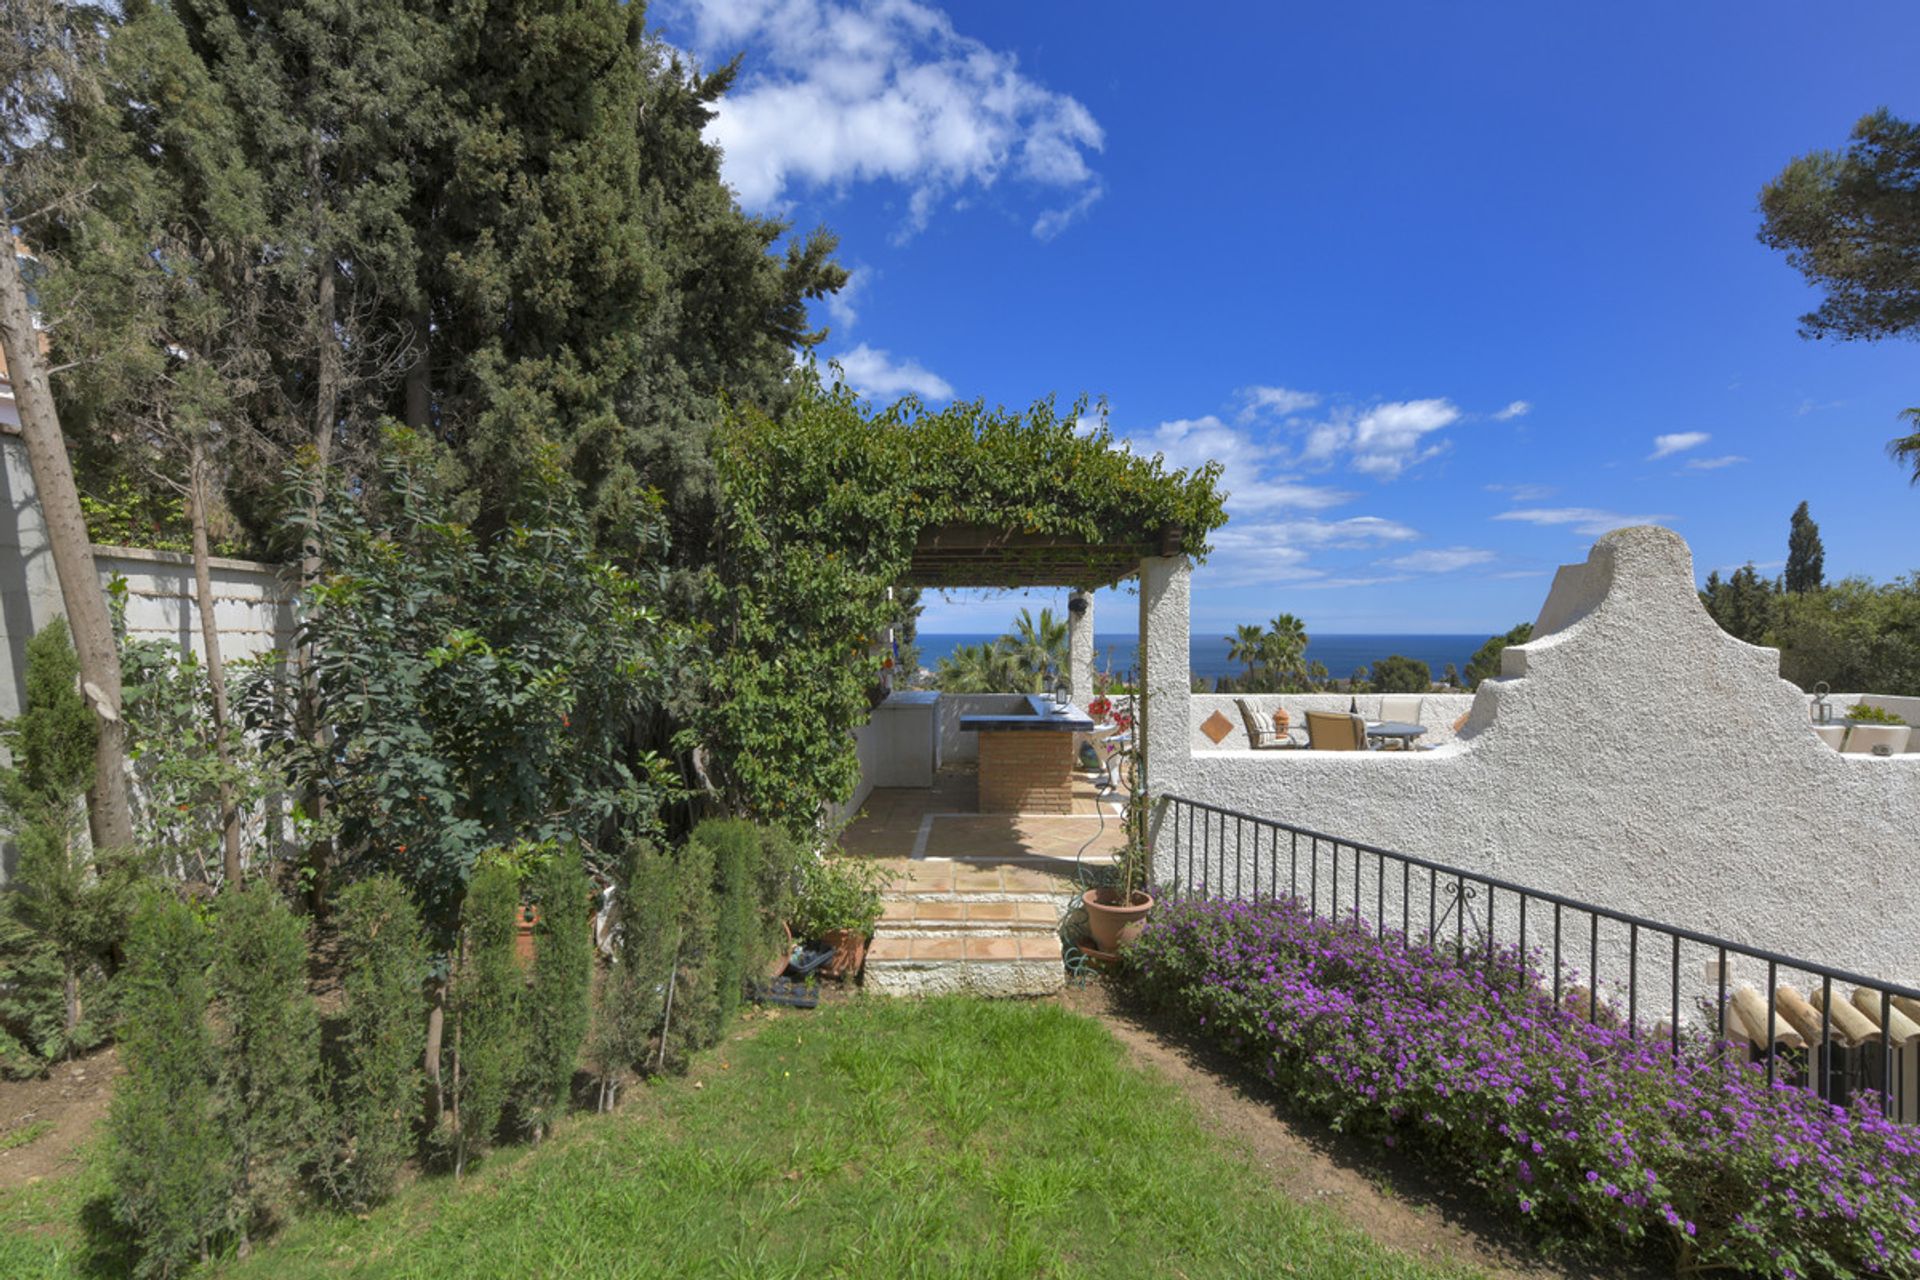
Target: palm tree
979, 668
1247, 644
1037, 646
1284, 648
1905, 450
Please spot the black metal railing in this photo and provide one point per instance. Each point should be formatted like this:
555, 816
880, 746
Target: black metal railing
1201, 849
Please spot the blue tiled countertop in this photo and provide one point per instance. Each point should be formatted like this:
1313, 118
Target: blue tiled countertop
1042, 717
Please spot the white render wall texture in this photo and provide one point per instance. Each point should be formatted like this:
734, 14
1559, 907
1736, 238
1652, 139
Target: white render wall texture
1632, 755
253, 602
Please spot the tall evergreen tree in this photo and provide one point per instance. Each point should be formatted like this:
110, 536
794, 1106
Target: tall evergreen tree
1806, 558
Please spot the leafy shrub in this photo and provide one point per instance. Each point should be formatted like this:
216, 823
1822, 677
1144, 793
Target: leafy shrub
180, 777
1584, 1131
556, 1004
476, 689
269, 1048
170, 1159
839, 893
486, 1041
67, 909
1864, 714
377, 1095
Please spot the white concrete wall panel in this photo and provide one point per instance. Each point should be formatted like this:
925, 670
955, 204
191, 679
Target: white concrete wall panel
1632, 755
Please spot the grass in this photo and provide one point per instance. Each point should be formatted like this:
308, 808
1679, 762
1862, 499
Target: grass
23, 1137
952, 1137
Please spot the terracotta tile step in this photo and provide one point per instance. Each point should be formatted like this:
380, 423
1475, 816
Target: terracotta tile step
999, 911
979, 948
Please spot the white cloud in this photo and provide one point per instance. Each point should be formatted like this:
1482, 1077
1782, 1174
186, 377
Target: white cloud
1713, 464
1354, 531
877, 375
1523, 492
1387, 438
1251, 484
1441, 559
1589, 521
1518, 409
1678, 442
1278, 401
836, 93
1266, 552
841, 306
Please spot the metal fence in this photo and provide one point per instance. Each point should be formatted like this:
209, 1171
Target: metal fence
1205, 850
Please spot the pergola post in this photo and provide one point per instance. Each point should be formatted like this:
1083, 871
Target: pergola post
1166, 584
1080, 645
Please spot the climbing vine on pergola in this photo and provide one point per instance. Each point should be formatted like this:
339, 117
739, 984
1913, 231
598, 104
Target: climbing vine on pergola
825, 508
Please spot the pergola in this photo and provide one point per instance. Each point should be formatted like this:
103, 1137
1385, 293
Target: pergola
973, 555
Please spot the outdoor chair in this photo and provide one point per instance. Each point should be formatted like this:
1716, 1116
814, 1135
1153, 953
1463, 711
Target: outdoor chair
1404, 707
1336, 731
1260, 731
1877, 739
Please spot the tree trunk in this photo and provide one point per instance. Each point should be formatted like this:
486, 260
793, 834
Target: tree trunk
326, 413
216, 665
419, 406
436, 1032
109, 808
71, 980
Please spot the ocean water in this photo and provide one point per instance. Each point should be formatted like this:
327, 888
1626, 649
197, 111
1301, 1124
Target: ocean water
1340, 653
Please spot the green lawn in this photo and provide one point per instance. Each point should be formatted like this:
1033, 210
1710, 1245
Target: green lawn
950, 1137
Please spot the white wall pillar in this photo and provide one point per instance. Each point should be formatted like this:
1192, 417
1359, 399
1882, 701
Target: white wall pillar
1166, 588
1080, 645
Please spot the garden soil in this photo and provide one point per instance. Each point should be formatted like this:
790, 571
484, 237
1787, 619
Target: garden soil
63, 1111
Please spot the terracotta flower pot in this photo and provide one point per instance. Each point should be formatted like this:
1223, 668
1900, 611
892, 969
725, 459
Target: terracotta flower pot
1105, 920
849, 952
523, 933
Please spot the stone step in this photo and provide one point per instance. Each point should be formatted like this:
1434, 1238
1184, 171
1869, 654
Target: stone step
977, 962
997, 914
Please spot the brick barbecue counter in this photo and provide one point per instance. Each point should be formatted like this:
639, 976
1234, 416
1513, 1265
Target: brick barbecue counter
1026, 759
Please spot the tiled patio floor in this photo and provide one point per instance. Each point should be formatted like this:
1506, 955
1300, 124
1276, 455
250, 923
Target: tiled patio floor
977, 899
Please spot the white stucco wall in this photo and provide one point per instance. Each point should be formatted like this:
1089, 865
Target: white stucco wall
253, 602
1438, 711
1632, 755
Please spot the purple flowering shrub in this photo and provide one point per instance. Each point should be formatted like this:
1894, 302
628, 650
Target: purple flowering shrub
1588, 1133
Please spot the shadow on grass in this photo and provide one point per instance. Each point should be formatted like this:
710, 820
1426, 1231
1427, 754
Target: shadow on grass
105, 1250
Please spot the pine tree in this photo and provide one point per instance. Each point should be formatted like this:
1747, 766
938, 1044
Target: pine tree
170, 1158
1806, 558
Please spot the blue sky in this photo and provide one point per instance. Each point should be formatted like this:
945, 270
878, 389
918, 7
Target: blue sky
1449, 289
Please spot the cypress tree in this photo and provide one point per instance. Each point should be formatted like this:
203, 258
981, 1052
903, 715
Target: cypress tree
557, 1002
384, 959
1806, 558
269, 1049
734, 846
68, 902
170, 1158
487, 1044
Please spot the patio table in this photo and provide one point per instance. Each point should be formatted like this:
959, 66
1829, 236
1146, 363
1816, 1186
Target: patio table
1404, 731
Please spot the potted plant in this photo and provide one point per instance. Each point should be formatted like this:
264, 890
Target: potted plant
1864, 714
1120, 906
838, 905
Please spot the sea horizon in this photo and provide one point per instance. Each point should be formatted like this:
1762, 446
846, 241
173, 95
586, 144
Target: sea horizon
1341, 653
